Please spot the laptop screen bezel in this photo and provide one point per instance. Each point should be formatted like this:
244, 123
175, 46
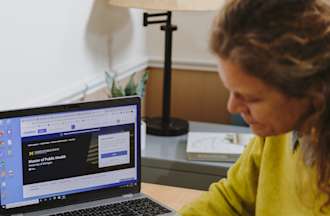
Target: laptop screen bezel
90, 195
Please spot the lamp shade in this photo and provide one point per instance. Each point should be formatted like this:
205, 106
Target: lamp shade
171, 5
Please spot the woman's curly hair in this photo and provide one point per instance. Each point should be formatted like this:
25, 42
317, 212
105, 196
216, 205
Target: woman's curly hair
285, 43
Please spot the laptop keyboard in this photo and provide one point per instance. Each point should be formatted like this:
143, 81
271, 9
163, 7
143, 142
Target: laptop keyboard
143, 206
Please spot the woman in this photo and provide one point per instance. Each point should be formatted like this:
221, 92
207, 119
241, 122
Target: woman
274, 58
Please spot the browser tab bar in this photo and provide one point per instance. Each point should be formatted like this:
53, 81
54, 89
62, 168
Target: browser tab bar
79, 120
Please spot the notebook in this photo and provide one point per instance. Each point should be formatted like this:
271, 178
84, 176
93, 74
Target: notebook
215, 146
74, 159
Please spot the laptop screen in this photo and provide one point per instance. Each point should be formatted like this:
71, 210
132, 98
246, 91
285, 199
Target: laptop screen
48, 155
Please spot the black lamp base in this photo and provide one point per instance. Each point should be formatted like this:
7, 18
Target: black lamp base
175, 127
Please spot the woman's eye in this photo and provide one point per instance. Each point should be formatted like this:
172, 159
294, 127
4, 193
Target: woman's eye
247, 99
252, 100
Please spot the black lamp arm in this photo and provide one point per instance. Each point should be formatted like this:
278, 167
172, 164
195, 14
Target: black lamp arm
147, 22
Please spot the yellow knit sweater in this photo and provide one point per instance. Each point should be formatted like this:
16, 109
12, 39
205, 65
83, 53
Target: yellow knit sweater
269, 179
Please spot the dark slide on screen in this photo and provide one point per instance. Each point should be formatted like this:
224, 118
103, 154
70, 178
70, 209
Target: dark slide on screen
77, 153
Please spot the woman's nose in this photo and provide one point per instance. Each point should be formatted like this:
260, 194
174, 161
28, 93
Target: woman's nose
234, 104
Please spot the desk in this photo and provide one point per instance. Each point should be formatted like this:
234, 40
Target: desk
173, 197
164, 160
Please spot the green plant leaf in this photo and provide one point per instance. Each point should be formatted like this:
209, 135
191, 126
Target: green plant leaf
109, 79
131, 87
142, 83
116, 91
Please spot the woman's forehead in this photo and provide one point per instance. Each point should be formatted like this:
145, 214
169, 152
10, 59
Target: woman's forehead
236, 79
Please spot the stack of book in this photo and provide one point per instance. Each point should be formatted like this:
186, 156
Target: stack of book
205, 146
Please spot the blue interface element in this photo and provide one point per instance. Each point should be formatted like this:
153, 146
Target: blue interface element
114, 154
11, 173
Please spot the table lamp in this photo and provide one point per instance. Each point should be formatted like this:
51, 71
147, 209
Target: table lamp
166, 125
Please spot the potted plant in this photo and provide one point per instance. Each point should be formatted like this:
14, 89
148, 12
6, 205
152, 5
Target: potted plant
131, 88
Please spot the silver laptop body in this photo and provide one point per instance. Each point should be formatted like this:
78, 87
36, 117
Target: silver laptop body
73, 157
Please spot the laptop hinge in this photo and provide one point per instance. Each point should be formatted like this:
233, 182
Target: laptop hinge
127, 195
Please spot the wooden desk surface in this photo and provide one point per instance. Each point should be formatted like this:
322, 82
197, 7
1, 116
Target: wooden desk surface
174, 197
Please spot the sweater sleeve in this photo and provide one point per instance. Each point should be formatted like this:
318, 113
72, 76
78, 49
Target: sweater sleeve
236, 194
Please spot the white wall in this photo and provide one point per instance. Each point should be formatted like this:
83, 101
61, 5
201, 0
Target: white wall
190, 41
50, 50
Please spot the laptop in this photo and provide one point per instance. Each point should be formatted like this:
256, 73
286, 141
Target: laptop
74, 159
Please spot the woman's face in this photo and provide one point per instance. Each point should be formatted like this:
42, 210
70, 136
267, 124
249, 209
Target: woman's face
267, 111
